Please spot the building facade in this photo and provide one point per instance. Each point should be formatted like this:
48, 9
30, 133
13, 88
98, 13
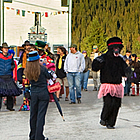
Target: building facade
36, 20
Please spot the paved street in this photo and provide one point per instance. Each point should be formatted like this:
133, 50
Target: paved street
81, 120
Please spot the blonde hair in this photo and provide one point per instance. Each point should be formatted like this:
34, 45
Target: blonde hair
32, 70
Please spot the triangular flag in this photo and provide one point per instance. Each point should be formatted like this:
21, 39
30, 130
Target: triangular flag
46, 14
23, 13
12, 9
28, 11
54, 13
58, 12
49, 13
63, 12
17, 11
8, 8
42, 14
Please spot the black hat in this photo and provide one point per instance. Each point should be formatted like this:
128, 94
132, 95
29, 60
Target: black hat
26, 43
114, 42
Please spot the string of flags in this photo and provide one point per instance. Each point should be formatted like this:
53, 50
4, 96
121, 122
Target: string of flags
45, 14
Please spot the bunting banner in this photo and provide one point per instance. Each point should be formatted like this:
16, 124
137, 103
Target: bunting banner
17, 12
43, 14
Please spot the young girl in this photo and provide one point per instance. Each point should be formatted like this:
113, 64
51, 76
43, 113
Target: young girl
37, 75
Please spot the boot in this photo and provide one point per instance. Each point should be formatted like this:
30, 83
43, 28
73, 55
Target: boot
137, 89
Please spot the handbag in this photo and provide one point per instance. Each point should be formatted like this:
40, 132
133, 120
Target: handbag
55, 87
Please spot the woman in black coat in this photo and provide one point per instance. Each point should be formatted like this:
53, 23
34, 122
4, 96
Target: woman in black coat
112, 67
37, 75
135, 78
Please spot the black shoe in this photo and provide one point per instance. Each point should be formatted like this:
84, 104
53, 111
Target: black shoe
102, 122
66, 99
85, 90
60, 96
72, 103
58, 99
110, 127
11, 109
46, 139
79, 100
95, 89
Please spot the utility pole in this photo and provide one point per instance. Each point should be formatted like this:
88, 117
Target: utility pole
1, 21
69, 23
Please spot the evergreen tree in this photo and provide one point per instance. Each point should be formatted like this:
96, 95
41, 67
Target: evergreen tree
95, 36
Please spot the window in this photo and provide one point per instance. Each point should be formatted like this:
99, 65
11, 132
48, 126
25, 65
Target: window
55, 47
64, 3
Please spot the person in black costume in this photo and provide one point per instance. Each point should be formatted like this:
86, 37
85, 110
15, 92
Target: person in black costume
112, 67
37, 75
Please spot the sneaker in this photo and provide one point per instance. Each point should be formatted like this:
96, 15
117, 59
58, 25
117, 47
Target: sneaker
102, 122
60, 96
11, 109
66, 99
95, 89
72, 103
85, 90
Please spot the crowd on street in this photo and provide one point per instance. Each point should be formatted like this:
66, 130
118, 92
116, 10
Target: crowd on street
41, 75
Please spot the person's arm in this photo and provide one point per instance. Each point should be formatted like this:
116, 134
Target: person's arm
12, 64
66, 64
98, 63
51, 55
47, 74
89, 64
82, 64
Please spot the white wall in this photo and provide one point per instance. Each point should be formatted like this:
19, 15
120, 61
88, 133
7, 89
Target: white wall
17, 27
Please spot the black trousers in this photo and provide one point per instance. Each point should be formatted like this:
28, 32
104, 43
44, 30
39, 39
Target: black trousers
39, 104
10, 102
110, 109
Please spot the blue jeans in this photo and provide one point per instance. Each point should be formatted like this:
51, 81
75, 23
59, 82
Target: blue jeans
84, 79
74, 80
127, 87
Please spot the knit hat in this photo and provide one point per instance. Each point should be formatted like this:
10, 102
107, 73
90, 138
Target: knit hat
84, 51
33, 56
114, 42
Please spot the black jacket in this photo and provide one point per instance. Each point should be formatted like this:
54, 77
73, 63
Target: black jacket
135, 77
88, 64
111, 68
41, 84
60, 72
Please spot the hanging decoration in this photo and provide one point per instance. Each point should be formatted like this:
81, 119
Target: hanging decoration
45, 13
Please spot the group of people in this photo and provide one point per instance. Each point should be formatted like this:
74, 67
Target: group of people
37, 64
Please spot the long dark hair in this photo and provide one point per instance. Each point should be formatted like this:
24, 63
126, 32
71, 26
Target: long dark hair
32, 70
63, 50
